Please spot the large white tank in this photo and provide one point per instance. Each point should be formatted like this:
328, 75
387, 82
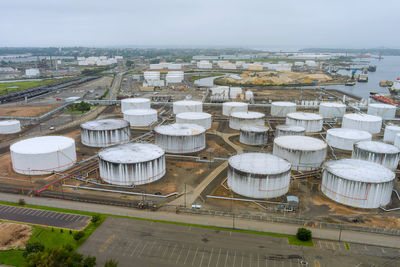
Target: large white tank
310, 121
199, 118
385, 111
132, 164
140, 117
390, 133
43, 155
364, 122
284, 129
381, 153
345, 139
10, 126
103, 133
281, 109
135, 103
332, 109
230, 107
258, 175
254, 135
303, 152
239, 119
180, 138
187, 106
357, 183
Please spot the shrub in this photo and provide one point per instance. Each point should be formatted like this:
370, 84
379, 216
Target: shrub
95, 218
32, 247
79, 235
21, 201
304, 234
89, 261
70, 232
61, 230
52, 229
111, 263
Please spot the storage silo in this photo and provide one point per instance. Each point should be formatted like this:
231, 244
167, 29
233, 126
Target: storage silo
345, 139
332, 109
390, 133
199, 118
140, 117
364, 122
357, 183
230, 107
303, 152
310, 121
254, 135
10, 127
239, 119
378, 152
258, 175
284, 129
187, 106
107, 132
135, 103
43, 155
385, 111
180, 138
132, 164
281, 109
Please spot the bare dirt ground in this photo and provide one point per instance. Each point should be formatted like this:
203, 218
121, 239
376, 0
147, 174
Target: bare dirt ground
14, 235
25, 111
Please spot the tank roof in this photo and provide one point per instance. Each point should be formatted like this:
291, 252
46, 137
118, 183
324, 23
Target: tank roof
378, 147
42, 145
135, 100
349, 133
180, 129
283, 103
248, 115
140, 111
131, 153
188, 103
332, 104
235, 104
382, 105
193, 115
294, 128
362, 117
304, 116
298, 142
254, 128
9, 122
393, 127
259, 163
359, 170
104, 125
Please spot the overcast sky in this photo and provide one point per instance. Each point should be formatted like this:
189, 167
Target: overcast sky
254, 23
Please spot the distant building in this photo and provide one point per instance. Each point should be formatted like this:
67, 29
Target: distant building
32, 72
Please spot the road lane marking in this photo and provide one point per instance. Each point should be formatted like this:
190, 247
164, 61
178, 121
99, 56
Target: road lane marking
176, 244
218, 256
133, 252
140, 254
180, 252
187, 255
226, 257
234, 259
106, 243
211, 254
202, 257
166, 248
195, 256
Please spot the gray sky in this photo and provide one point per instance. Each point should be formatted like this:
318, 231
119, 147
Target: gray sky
256, 23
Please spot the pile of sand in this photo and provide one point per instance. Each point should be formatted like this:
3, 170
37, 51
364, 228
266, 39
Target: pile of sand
13, 235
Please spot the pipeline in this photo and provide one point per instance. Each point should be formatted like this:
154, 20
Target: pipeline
247, 200
387, 210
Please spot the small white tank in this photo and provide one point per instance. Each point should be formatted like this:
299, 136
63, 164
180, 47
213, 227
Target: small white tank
390, 133
230, 107
363, 122
378, 152
385, 111
284, 129
10, 127
345, 139
239, 119
310, 121
187, 106
140, 117
199, 118
103, 133
281, 109
332, 109
254, 135
135, 103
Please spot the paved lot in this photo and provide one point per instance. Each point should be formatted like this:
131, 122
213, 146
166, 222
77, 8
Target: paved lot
44, 217
141, 243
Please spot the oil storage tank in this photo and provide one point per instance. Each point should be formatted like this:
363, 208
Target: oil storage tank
103, 133
390, 133
43, 155
284, 129
258, 175
140, 117
180, 137
364, 122
239, 119
303, 152
254, 135
10, 126
378, 152
343, 138
385, 111
332, 109
281, 109
230, 107
135, 103
199, 118
132, 164
357, 183
397, 140
187, 106
310, 121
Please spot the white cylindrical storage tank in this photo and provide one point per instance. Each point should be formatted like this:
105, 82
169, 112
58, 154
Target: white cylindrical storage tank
230, 107
258, 175
345, 139
364, 122
378, 152
385, 111
135, 103
303, 152
10, 127
239, 119
281, 109
310, 121
140, 117
390, 133
199, 118
132, 164
284, 129
43, 155
187, 106
397, 140
254, 135
103, 133
180, 138
332, 109
357, 183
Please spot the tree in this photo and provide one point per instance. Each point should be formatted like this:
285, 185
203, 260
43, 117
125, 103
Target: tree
89, 261
129, 63
32, 247
303, 234
95, 218
79, 235
21, 201
111, 263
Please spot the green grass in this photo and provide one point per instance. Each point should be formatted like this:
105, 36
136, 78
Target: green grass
347, 245
294, 241
25, 85
194, 78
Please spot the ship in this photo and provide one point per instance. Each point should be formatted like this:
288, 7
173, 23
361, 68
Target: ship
362, 78
350, 83
395, 89
372, 68
385, 83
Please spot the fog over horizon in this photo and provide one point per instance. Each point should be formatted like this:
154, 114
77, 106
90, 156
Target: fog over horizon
286, 24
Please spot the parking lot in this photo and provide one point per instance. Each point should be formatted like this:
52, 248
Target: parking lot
44, 217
